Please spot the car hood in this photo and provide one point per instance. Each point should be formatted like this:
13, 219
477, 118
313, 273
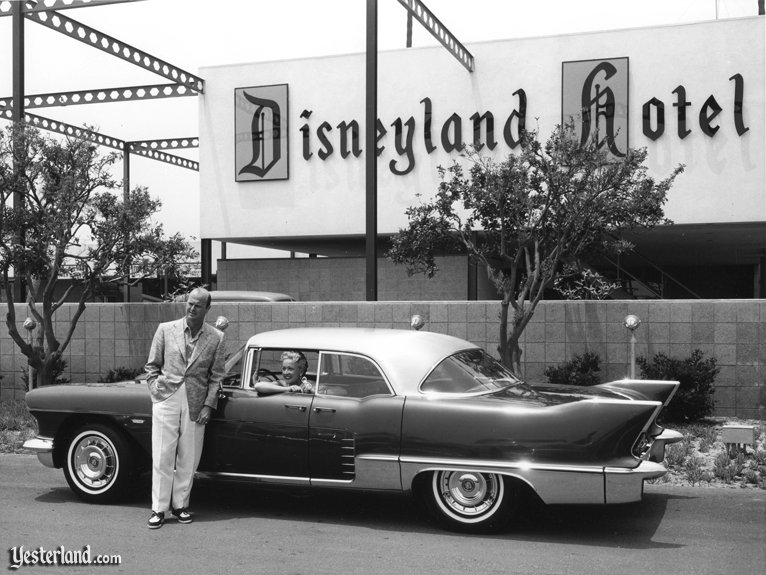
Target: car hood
126, 397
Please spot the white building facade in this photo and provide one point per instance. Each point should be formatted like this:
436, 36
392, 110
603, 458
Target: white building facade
282, 144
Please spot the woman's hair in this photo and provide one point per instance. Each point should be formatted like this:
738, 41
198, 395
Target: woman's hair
296, 357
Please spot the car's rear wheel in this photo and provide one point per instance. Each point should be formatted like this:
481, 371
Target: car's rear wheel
98, 464
470, 501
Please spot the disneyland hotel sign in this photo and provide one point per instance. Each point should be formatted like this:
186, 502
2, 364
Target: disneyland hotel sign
595, 92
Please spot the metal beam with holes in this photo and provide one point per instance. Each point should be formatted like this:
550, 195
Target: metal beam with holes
149, 148
70, 130
439, 31
168, 144
138, 149
102, 96
42, 5
92, 37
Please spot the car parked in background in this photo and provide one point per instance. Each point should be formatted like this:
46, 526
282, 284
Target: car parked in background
390, 410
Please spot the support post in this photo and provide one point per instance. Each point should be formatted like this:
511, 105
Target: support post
126, 201
19, 291
206, 254
371, 166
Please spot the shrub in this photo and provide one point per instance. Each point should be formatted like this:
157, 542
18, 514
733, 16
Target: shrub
580, 370
121, 374
14, 415
722, 467
59, 366
694, 398
675, 454
694, 471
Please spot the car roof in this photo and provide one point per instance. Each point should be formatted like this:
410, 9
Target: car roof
248, 295
406, 356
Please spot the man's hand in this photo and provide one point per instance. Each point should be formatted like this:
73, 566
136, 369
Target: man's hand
205, 415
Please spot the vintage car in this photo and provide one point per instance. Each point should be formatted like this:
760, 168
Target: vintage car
391, 410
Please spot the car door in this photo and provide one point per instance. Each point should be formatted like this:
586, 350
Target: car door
259, 435
354, 424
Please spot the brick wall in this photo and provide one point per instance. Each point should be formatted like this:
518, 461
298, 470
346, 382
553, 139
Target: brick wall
115, 335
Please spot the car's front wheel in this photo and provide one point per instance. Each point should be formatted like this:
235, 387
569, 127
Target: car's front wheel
98, 463
470, 501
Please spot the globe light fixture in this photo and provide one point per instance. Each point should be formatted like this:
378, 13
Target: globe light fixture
221, 322
632, 322
417, 322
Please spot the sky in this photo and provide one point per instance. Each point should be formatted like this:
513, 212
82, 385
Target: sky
193, 34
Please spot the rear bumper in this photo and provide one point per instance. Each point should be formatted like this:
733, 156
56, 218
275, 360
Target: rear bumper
43, 447
627, 485
668, 436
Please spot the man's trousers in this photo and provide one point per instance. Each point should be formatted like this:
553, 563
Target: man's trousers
176, 450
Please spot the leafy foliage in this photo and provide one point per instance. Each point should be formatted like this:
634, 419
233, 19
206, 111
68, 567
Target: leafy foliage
121, 374
580, 370
528, 215
581, 283
57, 374
67, 222
694, 398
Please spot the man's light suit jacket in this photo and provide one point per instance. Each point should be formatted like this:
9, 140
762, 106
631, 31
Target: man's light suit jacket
168, 367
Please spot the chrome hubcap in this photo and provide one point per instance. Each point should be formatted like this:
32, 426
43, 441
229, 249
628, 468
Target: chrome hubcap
94, 461
469, 493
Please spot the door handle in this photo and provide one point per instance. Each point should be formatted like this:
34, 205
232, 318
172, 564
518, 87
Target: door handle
298, 407
327, 409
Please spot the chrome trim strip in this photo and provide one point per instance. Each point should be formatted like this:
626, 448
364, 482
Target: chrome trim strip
332, 481
378, 457
255, 477
511, 465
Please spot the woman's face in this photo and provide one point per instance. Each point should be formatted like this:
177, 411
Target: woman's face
291, 372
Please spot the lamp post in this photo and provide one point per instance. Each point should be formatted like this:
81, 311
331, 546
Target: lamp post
632, 322
30, 325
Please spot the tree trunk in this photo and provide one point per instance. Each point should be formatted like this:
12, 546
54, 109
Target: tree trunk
45, 373
509, 348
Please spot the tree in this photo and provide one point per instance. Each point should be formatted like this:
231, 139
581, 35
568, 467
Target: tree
531, 217
71, 225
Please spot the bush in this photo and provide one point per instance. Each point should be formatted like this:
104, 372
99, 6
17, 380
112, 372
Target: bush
14, 415
694, 398
121, 374
59, 367
580, 370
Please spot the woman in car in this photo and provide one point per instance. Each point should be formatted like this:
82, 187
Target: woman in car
294, 366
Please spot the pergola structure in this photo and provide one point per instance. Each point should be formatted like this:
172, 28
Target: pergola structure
181, 83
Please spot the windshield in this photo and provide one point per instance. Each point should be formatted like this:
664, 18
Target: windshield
472, 371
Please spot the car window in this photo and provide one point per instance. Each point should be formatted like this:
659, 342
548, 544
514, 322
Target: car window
472, 371
350, 375
233, 368
267, 365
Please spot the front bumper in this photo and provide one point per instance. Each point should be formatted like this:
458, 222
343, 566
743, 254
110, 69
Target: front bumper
43, 447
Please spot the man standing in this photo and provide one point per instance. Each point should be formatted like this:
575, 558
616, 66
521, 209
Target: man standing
185, 368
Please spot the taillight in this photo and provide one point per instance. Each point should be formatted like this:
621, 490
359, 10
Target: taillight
641, 446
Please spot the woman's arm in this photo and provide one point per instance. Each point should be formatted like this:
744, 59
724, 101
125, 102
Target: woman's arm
271, 387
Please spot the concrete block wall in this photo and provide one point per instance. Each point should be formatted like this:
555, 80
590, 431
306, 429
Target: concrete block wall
732, 331
338, 279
